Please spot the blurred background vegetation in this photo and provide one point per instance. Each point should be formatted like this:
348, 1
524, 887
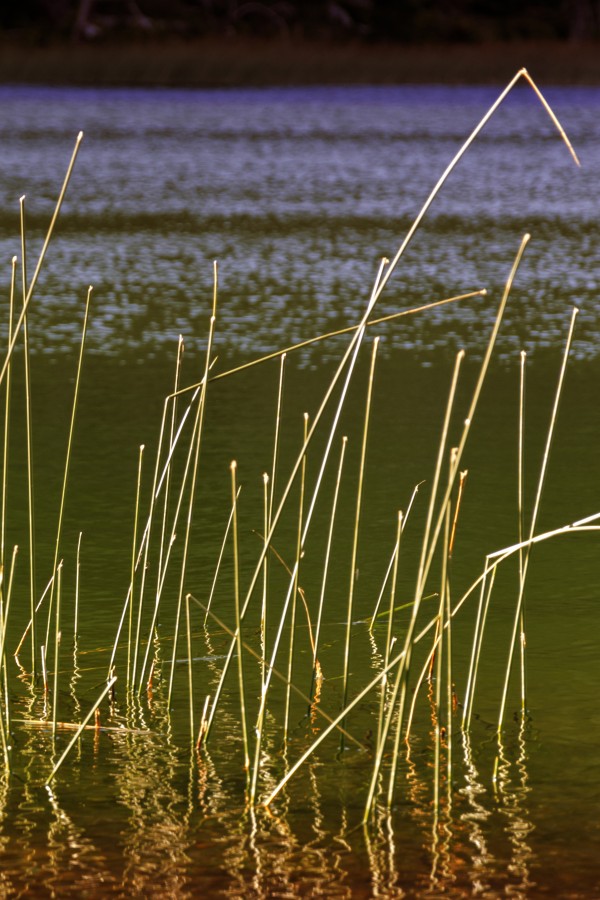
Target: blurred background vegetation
216, 43
405, 21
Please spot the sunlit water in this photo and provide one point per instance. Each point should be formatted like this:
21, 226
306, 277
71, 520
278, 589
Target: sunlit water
298, 194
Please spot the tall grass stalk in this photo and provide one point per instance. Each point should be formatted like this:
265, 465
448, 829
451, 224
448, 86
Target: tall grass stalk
521, 74
133, 559
5, 454
5, 608
338, 719
538, 497
63, 494
349, 329
390, 567
57, 636
190, 657
220, 557
165, 546
286, 718
354, 557
265, 591
349, 359
77, 582
269, 498
396, 707
79, 731
41, 258
520, 520
238, 619
487, 587
442, 622
354, 348
324, 579
196, 442
173, 420
390, 624
279, 675
29, 436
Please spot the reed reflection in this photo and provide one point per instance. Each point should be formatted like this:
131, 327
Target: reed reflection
512, 790
153, 786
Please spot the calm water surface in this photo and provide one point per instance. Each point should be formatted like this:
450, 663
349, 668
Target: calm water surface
298, 194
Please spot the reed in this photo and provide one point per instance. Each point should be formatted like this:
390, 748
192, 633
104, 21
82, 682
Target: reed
28, 426
57, 638
359, 495
391, 695
65, 481
238, 619
108, 687
538, 497
133, 560
295, 587
316, 669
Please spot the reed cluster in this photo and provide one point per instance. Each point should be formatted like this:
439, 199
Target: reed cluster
271, 623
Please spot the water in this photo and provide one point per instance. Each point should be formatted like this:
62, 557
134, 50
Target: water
298, 193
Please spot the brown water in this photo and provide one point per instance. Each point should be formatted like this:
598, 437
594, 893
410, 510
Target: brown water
298, 193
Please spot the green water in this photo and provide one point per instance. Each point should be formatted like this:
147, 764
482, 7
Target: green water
297, 193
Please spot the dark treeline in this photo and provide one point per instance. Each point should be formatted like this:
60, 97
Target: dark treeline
408, 21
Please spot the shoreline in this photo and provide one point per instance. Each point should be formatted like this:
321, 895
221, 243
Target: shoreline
237, 63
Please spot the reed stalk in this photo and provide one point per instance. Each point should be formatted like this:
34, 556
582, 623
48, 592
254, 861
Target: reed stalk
392, 559
197, 441
390, 623
165, 546
133, 558
190, 667
354, 557
7, 430
80, 730
337, 720
57, 637
238, 620
77, 583
295, 587
220, 558
538, 497
341, 400
279, 675
442, 622
324, 579
520, 467
401, 681
68, 455
270, 492
41, 258
349, 357
349, 329
263, 610
29, 437
521, 74
5, 607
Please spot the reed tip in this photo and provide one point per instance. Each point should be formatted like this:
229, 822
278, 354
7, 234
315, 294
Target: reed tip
233, 465
22, 198
80, 137
14, 260
483, 292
